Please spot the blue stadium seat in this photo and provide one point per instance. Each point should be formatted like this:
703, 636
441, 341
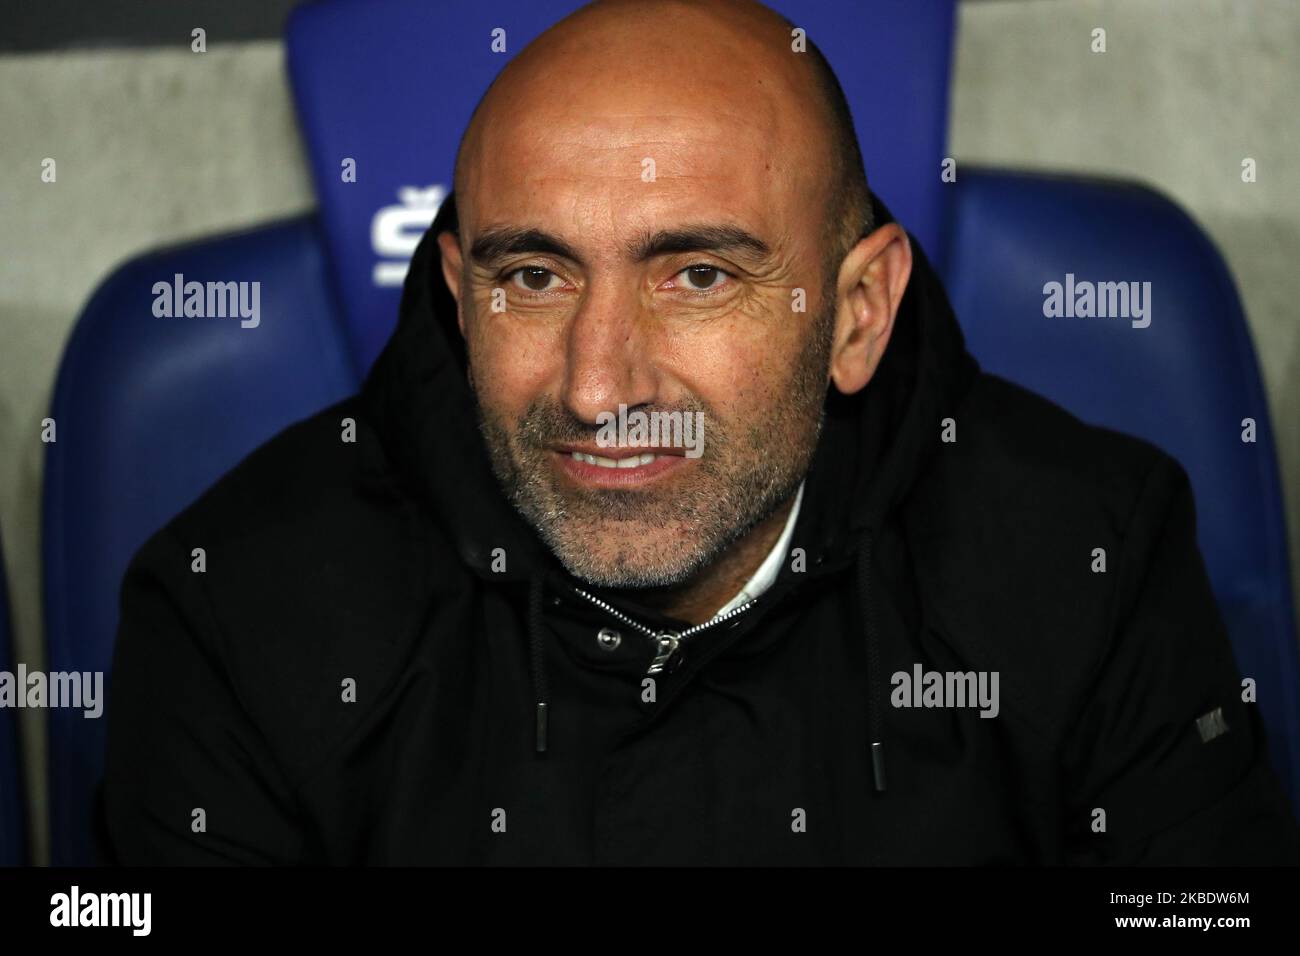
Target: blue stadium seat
13, 818
149, 411
1185, 382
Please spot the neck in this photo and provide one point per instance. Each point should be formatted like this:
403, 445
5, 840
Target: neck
698, 599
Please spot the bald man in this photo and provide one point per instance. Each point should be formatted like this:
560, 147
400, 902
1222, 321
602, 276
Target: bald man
680, 527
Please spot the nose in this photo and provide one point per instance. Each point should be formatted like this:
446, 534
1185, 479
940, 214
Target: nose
608, 359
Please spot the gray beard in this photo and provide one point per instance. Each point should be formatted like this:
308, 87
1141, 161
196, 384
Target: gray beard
674, 534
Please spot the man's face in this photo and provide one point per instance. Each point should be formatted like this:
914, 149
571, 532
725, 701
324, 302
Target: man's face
683, 274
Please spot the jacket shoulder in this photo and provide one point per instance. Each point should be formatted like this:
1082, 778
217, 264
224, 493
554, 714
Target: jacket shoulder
1028, 533
1020, 436
302, 566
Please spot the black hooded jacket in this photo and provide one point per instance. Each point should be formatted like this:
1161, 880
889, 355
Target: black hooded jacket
381, 662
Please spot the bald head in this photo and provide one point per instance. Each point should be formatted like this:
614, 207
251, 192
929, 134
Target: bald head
712, 58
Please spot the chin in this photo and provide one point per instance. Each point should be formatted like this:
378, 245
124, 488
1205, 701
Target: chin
628, 554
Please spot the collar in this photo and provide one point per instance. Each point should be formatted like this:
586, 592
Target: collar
763, 578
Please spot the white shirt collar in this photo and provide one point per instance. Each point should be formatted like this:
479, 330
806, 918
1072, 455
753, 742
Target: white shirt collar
765, 576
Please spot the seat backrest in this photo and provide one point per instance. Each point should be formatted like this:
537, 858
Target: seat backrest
1186, 381
391, 84
149, 411
13, 816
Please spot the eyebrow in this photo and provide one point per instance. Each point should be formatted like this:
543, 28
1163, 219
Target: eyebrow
698, 238
502, 241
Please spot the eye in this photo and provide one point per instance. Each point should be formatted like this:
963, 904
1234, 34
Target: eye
702, 277
534, 279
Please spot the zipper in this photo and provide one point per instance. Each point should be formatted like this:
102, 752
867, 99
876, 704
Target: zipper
665, 642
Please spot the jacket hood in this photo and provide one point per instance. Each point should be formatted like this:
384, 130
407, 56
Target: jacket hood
873, 448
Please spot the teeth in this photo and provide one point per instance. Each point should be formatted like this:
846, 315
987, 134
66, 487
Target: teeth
632, 461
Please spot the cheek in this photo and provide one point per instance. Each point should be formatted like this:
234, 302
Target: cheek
512, 359
743, 369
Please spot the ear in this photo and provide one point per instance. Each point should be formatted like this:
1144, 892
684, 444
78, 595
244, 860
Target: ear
870, 286
452, 264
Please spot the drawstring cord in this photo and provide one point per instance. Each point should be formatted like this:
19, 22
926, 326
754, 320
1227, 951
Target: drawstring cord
875, 686
537, 658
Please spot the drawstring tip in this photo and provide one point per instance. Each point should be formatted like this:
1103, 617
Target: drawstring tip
541, 727
878, 765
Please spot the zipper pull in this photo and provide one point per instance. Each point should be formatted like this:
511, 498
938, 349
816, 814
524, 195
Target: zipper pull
665, 646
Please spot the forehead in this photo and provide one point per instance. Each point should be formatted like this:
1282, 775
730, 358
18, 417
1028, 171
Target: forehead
621, 161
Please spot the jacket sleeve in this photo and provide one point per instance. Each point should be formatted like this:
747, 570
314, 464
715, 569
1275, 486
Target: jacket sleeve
179, 740
1165, 746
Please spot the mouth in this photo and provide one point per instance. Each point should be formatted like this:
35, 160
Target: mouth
617, 467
